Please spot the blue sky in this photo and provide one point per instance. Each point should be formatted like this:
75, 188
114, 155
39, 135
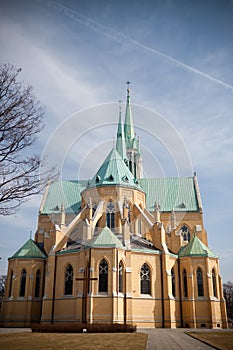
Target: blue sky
178, 56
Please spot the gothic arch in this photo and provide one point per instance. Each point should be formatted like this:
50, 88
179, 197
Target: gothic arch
149, 265
23, 281
145, 279
111, 214
200, 281
103, 271
214, 282
173, 281
68, 279
185, 233
121, 276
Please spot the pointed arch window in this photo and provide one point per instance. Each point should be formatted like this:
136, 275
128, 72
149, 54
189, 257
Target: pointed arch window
185, 283
214, 283
173, 282
185, 233
10, 286
200, 287
103, 276
110, 215
120, 277
37, 285
69, 280
23, 278
145, 279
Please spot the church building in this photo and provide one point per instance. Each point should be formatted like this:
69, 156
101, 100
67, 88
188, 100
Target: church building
118, 248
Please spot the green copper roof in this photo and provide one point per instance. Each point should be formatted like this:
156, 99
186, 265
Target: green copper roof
63, 192
196, 248
170, 193
120, 143
29, 250
113, 171
105, 238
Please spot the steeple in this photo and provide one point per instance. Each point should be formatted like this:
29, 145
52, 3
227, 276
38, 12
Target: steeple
120, 142
132, 142
128, 127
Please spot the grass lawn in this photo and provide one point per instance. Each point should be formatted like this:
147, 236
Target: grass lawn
64, 341
221, 340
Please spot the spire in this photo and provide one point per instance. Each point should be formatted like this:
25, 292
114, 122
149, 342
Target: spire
128, 127
120, 142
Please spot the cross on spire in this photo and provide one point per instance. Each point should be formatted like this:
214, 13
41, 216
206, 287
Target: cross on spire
128, 84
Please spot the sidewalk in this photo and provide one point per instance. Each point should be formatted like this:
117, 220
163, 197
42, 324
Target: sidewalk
14, 330
172, 339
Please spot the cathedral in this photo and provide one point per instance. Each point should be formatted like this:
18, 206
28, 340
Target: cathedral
118, 248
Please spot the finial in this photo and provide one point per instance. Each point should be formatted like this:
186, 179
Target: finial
114, 142
30, 234
157, 207
128, 84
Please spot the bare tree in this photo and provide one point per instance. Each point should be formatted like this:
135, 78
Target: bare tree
228, 295
2, 286
21, 174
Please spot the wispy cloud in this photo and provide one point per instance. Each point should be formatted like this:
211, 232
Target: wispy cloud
120, 37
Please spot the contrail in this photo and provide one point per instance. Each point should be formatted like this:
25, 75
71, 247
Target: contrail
119, 37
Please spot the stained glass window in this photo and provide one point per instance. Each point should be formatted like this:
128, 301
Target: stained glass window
200, 288
145, 279
22, 283
103, 276
214, 283
69, 280
120, 277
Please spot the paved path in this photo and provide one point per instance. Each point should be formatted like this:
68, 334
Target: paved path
14, 330
172, 339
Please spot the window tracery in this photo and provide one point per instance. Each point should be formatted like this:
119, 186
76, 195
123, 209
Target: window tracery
69, 280
145, 279
103, 276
